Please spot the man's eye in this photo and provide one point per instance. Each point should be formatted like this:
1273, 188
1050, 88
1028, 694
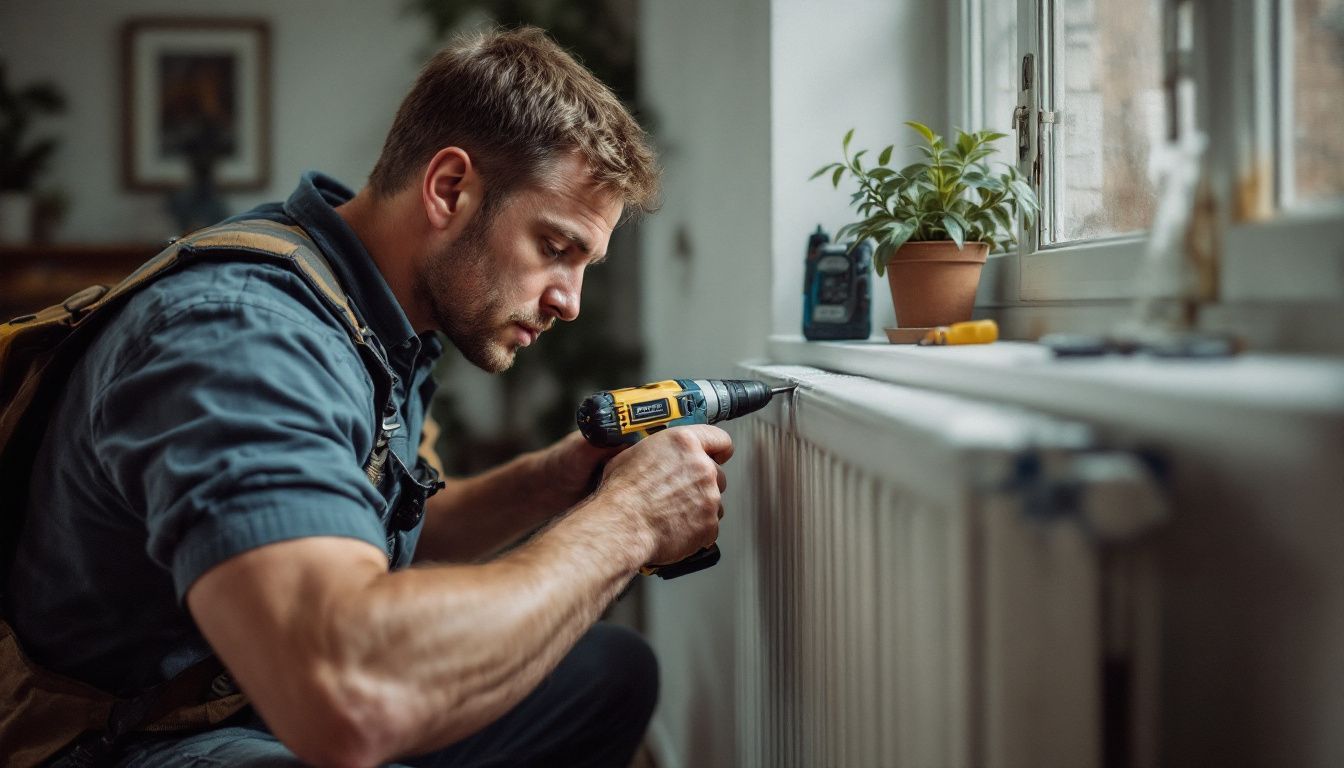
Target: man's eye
552, 251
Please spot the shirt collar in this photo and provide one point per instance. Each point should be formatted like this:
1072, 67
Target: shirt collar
313, 207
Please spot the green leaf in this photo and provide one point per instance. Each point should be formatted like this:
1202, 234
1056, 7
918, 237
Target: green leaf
835, 178
914, 169
954, 230
989, 136
877, 221
1003, 218
924, 131
1023, 192
965, 143
849, 135
893, 186
978, 181
979, 154
885, 156
880, 173
900, 234
822, 170
881, 257
966, 226
902, 231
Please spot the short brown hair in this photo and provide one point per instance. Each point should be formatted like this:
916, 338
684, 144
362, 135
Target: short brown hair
514, 100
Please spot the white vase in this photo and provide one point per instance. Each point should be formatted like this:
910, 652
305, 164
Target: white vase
16, 217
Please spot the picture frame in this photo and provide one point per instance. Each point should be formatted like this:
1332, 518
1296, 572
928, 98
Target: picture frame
195, 102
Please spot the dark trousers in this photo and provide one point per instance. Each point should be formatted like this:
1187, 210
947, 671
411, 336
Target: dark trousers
591, 711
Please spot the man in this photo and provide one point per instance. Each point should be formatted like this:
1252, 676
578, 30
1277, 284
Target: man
201, 485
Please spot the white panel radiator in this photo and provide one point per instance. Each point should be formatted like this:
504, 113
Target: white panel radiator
930, 581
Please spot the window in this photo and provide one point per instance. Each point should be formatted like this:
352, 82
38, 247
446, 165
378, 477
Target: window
1100, 98
1086, 84
1102, 80
1312, 94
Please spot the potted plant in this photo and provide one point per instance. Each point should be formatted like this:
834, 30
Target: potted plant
22, 162
933, 222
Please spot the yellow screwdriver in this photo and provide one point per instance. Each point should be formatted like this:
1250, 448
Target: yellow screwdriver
969, 332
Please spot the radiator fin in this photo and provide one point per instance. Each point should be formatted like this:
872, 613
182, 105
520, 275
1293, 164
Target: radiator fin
852, 650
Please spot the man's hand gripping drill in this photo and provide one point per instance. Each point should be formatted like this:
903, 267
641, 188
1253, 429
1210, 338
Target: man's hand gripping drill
678, 491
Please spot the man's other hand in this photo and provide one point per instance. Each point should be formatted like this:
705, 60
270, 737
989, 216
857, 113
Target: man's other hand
569, 467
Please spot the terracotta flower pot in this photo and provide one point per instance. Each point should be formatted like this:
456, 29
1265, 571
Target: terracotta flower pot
933, 283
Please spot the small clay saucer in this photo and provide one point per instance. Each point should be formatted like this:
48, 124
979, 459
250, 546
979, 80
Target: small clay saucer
906, 335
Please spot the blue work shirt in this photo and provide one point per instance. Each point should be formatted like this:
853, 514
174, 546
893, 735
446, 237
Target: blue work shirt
223, 408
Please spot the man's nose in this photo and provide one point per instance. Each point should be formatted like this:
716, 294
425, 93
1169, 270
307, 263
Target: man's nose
561, 299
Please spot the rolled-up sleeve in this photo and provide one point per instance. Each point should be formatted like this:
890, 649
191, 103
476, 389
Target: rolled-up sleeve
236, 424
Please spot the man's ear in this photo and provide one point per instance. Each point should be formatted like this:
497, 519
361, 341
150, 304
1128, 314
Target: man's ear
451, 189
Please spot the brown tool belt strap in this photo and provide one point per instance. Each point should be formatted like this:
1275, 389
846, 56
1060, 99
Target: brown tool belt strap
258, 236
44, 711
48, 711
271, 237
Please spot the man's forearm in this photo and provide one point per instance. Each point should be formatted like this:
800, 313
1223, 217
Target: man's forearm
461, 645
473, 518
350, 665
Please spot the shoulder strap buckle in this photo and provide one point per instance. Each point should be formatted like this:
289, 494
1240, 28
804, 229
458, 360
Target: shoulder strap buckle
79, 303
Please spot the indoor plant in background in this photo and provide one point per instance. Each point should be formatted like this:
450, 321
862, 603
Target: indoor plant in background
933, 222
21, 162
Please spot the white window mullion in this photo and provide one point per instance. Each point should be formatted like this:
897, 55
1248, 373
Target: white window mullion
1049, 106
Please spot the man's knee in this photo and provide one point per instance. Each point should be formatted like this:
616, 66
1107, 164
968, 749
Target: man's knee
621, 672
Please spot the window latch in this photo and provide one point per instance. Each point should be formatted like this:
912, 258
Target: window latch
1022, 113
1020, 127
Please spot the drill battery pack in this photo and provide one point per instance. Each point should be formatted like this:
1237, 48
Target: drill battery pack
836, 289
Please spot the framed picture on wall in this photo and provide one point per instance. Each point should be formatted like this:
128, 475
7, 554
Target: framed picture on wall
195, 103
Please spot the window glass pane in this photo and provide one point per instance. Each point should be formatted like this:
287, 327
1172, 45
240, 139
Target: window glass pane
999, 21
1318, 98
1108, 95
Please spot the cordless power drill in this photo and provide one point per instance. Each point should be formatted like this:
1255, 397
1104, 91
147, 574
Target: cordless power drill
626, 416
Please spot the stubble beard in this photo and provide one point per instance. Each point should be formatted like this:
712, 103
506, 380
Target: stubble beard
467, 302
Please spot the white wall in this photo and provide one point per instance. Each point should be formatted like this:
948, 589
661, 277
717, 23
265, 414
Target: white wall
750, 97
338, 70
863, 64
704, 70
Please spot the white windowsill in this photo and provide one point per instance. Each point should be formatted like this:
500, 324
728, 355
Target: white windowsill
1264, 398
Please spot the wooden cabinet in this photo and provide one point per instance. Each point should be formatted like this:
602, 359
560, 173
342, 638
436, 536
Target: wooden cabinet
36, 276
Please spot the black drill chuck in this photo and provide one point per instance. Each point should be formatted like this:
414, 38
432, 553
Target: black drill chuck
729, 398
